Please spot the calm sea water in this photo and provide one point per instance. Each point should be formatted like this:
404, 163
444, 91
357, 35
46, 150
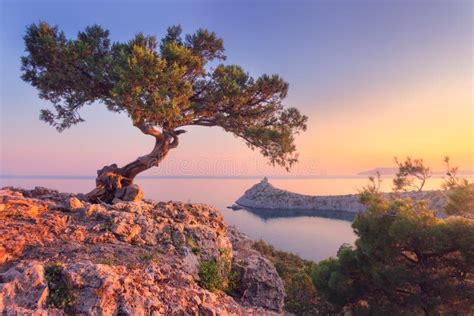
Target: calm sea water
311, 237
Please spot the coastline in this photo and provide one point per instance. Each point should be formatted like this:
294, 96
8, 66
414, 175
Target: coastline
264, 197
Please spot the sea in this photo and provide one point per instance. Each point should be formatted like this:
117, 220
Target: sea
311, 237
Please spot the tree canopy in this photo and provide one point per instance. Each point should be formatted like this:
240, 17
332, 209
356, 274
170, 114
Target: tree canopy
161, 85
412, 174
459, 192
406, 261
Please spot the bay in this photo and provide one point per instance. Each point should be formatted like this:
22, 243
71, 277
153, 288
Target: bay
311, 237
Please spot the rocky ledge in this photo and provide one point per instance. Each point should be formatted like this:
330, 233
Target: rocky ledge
61, 255
264, 196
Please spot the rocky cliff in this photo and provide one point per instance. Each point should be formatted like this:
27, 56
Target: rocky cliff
264, 195
60, 255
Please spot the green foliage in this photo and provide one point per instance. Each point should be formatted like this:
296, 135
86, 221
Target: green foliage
108, 262
148, 256
107, 224
451, 180
193, 245
460, 193
215, 274
412, 174
59, 295
210, 275
301, 297
233, 280
405, 261
460, 200
160, 84
371, 193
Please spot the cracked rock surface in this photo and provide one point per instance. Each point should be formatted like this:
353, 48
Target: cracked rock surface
60, 255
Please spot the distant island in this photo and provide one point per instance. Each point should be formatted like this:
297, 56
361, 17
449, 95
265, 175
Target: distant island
383, 171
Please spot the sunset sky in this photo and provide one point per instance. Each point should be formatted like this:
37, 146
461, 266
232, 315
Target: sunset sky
377, 79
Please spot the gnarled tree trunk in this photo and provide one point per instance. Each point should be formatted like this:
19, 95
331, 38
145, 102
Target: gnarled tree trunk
114, 182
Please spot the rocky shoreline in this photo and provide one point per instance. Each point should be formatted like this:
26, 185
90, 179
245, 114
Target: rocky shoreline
266, 198
60, 255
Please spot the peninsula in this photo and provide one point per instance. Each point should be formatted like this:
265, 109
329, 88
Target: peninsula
264, 196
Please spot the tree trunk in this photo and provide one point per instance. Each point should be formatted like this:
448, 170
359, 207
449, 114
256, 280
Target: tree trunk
114, 182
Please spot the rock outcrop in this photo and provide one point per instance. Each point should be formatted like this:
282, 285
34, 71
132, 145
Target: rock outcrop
265, 196
257, 279
60, 254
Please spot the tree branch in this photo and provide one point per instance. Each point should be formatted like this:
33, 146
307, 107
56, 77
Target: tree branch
404, 291
174, 134
148, 130
202, 122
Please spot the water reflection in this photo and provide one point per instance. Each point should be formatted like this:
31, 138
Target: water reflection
311, 237
266, 214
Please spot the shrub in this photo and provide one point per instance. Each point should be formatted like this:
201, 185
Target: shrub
210, 276
59, 295
215, 274
147, 256
460, 200
301, 297
459, 192
233, 280
193, 245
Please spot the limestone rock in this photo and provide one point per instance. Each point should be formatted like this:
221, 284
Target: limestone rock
130, 193
258, 280
129, 258
74, 204
23, 289
264, 196
41, 191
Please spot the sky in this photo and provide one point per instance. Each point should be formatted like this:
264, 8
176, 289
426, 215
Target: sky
377, 79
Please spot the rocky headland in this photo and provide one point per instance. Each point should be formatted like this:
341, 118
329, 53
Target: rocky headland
264, 196
62, 255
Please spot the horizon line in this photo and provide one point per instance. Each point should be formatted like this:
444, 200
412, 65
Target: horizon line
79, 177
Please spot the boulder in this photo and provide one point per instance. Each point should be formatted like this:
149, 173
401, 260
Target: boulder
258, 282
73, 204
23, 288
130, 193
41, 191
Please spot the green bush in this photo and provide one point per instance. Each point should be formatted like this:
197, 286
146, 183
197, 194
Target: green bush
460, 200
215, 274
233, 280
210, 276
59, 295
301, 297
193, 245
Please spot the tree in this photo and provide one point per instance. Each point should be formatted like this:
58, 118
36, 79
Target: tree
460, 200
452, 179
405, 261
412, 173
459, 192
162, 86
